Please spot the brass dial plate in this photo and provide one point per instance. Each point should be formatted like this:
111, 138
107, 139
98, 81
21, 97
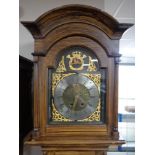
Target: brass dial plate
76, 97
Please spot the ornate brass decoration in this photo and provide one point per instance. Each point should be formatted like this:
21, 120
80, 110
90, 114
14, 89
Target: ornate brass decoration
56, 77
57, 116
61, 66
96, 78
91, 66
76, 60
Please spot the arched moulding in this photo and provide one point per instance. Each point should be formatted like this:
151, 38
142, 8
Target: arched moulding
81, 30
75, 20
71, 41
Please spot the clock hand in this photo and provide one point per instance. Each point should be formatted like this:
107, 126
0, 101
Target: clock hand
75, 102
78, 100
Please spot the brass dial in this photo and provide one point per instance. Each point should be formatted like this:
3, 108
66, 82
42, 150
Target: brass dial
76, 97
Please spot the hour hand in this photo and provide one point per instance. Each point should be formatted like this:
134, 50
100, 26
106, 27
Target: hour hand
78, 101
75, 102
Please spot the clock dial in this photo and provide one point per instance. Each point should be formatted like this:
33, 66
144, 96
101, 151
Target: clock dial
74, 88
76, 97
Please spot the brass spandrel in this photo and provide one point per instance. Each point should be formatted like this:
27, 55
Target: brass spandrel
61, 66
91, 65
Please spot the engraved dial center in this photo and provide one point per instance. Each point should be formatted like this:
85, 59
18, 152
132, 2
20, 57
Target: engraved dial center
76, 97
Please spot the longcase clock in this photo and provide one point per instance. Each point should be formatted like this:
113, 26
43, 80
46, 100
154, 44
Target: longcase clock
75, 81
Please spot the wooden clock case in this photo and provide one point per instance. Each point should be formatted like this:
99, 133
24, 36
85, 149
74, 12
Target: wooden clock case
54, 31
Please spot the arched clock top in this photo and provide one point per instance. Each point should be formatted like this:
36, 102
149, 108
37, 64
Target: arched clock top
76, 20
56, 17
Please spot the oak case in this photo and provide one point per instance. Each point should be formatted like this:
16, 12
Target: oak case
54, 31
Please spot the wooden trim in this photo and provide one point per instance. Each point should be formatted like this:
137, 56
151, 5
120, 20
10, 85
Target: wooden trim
115, 112
42, 25
36, 99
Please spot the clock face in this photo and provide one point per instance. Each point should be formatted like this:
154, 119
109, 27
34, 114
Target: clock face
77, 88
76, 97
